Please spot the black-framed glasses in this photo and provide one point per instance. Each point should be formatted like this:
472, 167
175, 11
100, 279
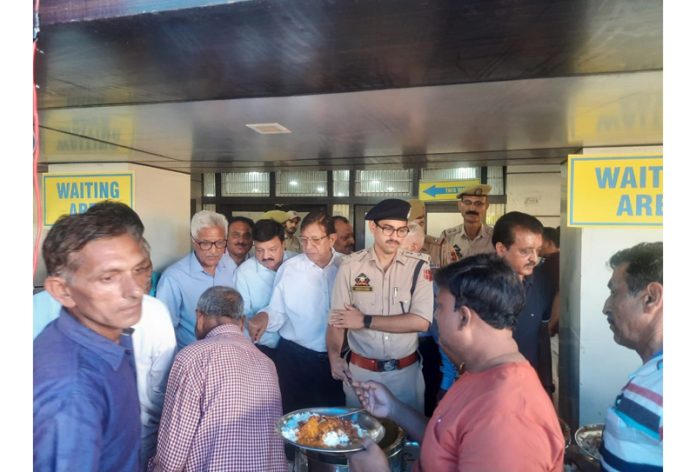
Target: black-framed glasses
389, 230
205, 245
314, 240
476, 203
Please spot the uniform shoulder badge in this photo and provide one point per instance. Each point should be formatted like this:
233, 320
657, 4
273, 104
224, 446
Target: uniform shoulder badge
417, 255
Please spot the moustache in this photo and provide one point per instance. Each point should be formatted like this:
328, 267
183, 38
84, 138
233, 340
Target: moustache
474, 213
394, 241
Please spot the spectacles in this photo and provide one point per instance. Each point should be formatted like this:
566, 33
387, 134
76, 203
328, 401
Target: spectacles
205, 245
236, 235
477, 203
389, 230
304, 241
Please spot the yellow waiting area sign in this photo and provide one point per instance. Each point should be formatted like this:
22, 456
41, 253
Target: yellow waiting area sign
73, 193
613, 190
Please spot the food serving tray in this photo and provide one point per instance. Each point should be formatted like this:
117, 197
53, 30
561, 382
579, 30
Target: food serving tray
368, 424
589, 438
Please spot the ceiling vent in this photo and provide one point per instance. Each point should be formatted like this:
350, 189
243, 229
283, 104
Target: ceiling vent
269, 128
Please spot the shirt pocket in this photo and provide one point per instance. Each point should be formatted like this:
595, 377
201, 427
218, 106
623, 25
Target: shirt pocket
365, 301
400, 304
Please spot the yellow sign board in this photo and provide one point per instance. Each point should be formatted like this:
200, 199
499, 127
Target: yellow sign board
443, 190
65, 194
613, 190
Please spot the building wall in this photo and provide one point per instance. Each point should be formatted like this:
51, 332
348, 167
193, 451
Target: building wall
161, 198
592, 367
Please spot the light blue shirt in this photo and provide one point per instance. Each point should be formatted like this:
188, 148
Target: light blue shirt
46, 309
300, 302
180, 287
254, 282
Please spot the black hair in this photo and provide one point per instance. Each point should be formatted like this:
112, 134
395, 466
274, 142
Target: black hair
71, 233
265, 230
644, 265
486, 284
504, 229
321, 218
553, 235
243, 219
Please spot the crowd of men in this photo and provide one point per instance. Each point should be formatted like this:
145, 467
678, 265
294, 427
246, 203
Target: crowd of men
449, 337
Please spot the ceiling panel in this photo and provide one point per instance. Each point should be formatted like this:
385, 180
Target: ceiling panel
359, 83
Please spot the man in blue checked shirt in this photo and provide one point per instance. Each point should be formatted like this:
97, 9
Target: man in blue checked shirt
632, 437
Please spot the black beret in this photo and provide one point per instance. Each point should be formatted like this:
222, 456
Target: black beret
389, 209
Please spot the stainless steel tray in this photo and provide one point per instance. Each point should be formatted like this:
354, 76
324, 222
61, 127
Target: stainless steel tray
290, 422
589, 438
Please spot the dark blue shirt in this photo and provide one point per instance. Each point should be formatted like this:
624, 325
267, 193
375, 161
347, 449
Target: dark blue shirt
86, 411
539, 294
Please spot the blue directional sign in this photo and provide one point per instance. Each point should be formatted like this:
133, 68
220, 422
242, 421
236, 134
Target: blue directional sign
446, 190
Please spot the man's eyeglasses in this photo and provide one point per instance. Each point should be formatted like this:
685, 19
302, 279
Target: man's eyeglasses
477, 203
389, 230
205, 245
304, 241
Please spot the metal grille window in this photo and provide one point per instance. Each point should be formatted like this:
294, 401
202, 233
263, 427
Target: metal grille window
383, 183
209, 184
301, 184
245, 184
460, 173
343, 210
341, 183
210, 207
496, 179
495, 211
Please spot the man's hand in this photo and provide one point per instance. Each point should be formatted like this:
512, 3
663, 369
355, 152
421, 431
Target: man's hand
339, 369
257, 325
375, 397
372, 459
349, 318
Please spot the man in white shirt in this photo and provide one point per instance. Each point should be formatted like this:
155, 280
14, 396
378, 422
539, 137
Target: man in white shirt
299, 312
254, 278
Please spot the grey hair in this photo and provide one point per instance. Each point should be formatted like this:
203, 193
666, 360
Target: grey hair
415, 235
221, 301
207, 219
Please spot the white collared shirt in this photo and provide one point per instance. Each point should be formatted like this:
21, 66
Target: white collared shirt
299, 306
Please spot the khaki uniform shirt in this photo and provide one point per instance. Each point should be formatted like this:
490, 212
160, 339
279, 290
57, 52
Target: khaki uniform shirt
440, 251
464, 246
292, 244
362, 282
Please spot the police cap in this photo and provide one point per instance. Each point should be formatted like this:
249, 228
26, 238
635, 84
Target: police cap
477, 190
389, 209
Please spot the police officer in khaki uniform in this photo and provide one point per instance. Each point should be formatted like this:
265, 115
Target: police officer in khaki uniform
440, 250
474, 235
383, 296
292, 242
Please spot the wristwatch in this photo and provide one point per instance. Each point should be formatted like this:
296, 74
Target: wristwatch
367, 320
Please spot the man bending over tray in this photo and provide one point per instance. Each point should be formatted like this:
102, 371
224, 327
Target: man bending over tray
222, 399
497, 415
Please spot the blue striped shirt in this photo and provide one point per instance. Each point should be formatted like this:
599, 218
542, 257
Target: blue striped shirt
632, 439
